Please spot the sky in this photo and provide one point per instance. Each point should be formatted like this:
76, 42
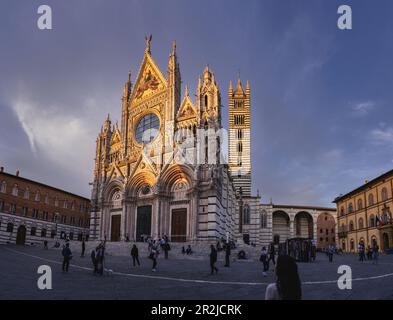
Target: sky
321, 98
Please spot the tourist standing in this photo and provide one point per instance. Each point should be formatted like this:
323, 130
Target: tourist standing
154, 256
369, 253
361, 250
330, 253
287, 285
100, 257
94, 260
83, 248
213, 259
264, 260
135, 255
167, 247
67, 256
227, 254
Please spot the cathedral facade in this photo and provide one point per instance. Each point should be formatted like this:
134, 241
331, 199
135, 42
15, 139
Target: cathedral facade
163, 171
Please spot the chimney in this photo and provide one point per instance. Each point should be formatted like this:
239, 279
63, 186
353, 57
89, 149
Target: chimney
2, 169
17, 173
365, 181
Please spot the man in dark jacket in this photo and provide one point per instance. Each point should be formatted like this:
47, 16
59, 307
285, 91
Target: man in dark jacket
67, 255
83, 248
135, 255
227, 254
213, 259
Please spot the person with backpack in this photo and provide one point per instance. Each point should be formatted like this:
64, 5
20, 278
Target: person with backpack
264, 260
67, 256
166, 248
272, 254
213, 259
135, 255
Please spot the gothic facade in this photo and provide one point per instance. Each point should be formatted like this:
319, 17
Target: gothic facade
162, 172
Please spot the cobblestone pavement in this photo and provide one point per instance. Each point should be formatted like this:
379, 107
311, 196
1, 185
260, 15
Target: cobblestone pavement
181, 279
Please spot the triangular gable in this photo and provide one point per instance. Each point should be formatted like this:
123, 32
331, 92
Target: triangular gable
115, 136
149, 79
115, 172
144, 164
187, 109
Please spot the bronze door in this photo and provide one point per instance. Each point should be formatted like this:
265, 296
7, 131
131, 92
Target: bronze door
143, 222
115, 227
179, 225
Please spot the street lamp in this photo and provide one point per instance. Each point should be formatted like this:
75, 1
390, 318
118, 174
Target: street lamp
56, 218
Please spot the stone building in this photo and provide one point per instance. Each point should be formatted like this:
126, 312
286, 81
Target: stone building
163, 172
31, 212
364, 214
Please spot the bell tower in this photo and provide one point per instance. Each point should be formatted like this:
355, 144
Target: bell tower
240, 137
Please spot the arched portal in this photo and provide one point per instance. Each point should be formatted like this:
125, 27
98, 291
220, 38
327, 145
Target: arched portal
281, 230
21, 235
304, 225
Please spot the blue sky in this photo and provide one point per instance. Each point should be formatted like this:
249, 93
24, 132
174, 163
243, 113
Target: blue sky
321, 97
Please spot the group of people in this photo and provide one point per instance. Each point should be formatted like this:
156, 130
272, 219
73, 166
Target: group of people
371, 253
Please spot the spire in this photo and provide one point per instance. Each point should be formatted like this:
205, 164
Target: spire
230, 87
186, 93
174, 47
129, 76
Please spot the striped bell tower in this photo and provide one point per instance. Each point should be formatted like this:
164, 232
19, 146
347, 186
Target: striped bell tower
239, 137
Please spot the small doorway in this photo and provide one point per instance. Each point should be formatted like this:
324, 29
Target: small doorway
21, 235
143, 222
115, 227
385, 241
179, 225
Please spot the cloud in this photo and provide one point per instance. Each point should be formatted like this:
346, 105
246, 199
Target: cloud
382, 136
363, 108
63, 138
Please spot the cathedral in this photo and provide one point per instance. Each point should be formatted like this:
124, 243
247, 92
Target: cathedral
164, 171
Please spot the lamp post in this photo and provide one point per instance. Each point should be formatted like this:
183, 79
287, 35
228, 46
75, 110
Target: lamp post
56, 218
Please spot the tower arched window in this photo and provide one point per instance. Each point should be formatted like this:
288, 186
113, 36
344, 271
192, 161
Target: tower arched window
206, 101
246, 214
240, 147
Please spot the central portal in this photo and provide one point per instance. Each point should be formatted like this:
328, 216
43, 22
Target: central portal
179, 225
115, 227
143, 222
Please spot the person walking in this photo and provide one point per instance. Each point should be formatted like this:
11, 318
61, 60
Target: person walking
100, 256
67, 256
213, 259
227, 254
135, 255
369, 253
287, 285
264, 260
83, 248
375, 253
94, 260
272, 254
330, 253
